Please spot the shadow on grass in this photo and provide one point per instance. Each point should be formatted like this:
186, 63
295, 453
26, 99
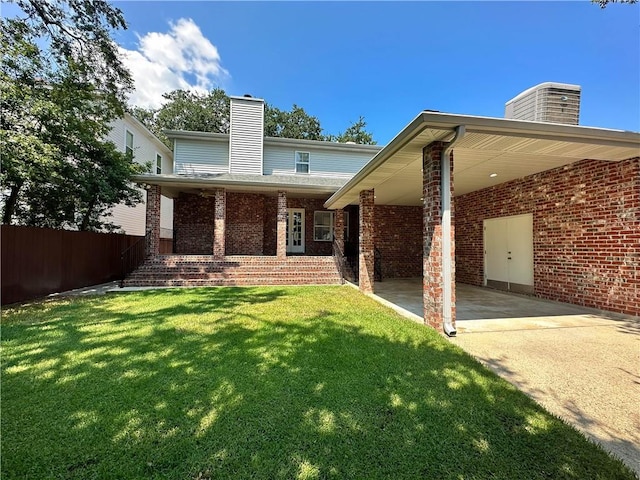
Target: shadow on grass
265, 383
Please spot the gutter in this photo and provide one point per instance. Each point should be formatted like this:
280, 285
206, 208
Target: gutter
447, 267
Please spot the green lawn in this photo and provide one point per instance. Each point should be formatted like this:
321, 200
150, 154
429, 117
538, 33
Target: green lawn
273, 383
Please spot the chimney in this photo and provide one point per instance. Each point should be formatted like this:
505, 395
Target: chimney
246, 135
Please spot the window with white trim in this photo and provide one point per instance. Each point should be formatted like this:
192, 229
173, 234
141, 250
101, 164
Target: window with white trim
158, 163
302, 162
323, 226
128, 143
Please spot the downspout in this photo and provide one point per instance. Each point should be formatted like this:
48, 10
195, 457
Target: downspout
445, 191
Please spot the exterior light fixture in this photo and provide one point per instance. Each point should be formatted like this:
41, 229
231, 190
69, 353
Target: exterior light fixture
493, 175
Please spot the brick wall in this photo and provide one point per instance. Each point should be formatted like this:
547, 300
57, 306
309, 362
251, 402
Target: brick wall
270, 237
586, 232
251, 222
193, 219
245, 223
398, 237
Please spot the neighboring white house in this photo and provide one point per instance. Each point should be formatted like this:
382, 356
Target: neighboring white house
128, 134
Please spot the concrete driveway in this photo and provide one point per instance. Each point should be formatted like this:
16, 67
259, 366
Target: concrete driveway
582, 365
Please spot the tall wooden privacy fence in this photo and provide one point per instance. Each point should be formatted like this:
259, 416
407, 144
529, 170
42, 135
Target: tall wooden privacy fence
39, 261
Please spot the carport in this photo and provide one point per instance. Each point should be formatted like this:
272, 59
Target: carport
548, 194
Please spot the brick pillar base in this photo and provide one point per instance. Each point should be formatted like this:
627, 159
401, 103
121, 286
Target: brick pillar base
219, 227
366, 255
281, 240
152, 227
432, 285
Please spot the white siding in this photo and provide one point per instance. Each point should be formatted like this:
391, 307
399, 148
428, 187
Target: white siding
145, 148
132, 219
322, 163
246, 136
200, 156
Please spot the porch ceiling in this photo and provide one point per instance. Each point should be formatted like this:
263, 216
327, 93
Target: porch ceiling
509, 148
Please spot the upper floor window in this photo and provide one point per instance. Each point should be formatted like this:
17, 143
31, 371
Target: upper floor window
158, 163
128, 143
302, 162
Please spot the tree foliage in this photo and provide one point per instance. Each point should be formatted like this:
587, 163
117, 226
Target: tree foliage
186, 110
295, 123
604, 3
209, 112
61, 84
355, 133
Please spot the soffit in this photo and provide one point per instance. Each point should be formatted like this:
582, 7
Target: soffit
487, 147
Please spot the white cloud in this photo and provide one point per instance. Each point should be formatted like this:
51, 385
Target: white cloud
182, 58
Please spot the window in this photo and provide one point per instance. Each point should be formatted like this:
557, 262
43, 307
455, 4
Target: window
158, 163
128, 144
302, 162
323, 226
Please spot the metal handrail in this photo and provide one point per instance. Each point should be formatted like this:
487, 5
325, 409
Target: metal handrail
133, 256
338, 257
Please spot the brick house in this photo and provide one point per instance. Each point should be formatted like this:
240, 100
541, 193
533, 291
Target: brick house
545, 209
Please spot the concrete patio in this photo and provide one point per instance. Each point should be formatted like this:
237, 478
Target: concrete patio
580, 364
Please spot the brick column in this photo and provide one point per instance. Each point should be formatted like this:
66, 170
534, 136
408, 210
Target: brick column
366, 249
281, 233
338, 228
432, 284
152, 227
219, 226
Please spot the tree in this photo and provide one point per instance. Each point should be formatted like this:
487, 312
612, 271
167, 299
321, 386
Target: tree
61, 84
209, 112
293, 124
355, 133
604, 3
185, 110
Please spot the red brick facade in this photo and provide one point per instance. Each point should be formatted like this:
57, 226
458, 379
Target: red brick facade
245, 223
152, 228
219, 227
193, 220
398, 237
432, 296
367, 238
250, 223
586, 232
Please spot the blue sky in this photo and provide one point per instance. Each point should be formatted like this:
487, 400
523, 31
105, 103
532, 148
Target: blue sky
387, 61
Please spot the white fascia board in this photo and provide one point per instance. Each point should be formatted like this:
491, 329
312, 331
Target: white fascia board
488, 125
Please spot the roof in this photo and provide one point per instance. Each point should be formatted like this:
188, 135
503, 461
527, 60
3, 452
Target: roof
172, 185
507, 147
277, 141
149, 134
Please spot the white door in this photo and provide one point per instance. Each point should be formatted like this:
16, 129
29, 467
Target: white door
508, 253
295, 230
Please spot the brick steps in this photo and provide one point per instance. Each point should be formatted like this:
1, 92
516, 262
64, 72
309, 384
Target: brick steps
204, 270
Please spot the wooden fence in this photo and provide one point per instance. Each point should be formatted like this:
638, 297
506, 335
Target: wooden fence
39, 261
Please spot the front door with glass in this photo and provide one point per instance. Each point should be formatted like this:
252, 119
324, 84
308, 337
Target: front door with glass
295, 230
